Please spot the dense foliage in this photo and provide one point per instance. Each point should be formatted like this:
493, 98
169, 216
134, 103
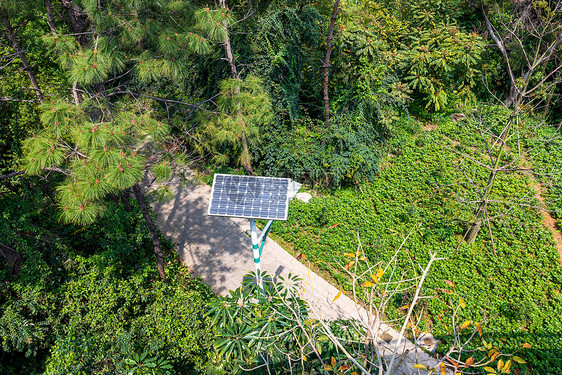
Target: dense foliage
86, 300
444, 121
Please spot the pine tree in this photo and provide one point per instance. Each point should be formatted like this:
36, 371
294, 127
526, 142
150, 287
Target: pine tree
106, 140
243, 108
99, 157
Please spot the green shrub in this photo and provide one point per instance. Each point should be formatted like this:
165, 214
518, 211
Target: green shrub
88, 298
346, 152
418, 190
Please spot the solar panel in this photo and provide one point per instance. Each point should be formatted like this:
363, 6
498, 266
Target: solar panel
250, 197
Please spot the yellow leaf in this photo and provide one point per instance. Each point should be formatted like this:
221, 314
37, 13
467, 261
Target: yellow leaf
527, 345
494, 356
421, 367
327, 368
304, 358
375, 279
354, 373
443, 369
363, 258
462, 303
380, 272
500, 364
466, 324
367, 284
333, 361
350, 255
469, 362
507, 366
519, 359
479, 328
490, 369
453, 362
405, 307
450, 283
349, 265
337, 296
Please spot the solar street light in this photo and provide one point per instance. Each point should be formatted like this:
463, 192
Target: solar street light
252, 197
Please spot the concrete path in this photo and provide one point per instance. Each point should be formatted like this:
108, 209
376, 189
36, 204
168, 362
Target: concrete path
218, 249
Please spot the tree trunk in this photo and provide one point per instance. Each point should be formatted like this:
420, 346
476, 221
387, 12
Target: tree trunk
228, 47
75, 93
234, 72
152, 229
13, 257
50, 18
125, 194
230, 58
11, 36
79, 23
327, 61
474, 228
246, 156
470, 237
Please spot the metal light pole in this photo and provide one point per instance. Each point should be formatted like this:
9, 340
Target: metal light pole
257, 246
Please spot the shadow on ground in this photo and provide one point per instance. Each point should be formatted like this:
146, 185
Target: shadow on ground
212, 246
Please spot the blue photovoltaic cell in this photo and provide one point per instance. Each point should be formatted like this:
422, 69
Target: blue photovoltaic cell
250, 197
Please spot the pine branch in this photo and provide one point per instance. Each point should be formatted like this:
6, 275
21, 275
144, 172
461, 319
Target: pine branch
10, 175
54, 169
6, 99
197, 105
19, 173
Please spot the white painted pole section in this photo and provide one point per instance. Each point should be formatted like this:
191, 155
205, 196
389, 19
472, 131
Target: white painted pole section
256, 250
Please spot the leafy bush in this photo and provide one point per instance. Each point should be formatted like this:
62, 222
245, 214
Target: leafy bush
271, 329
109, 319
347, 151
87, 299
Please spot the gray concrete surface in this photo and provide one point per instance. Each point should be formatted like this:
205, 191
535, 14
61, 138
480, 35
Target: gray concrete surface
218, 249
